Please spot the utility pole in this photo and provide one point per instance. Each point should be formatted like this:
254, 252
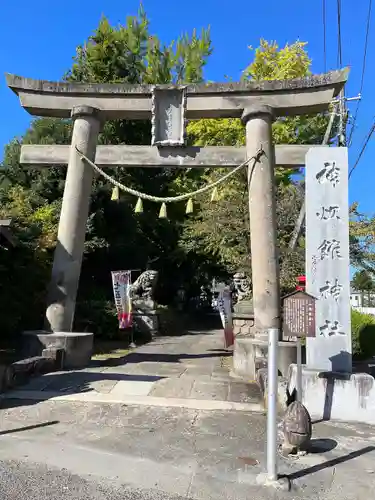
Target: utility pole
339, 105
343, 116
342, 103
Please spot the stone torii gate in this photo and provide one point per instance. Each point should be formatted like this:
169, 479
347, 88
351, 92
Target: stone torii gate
168, 107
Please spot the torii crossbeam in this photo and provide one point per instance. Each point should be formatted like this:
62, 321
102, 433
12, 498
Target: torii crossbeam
289, 156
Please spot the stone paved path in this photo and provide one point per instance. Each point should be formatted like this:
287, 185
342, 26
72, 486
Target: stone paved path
190, 371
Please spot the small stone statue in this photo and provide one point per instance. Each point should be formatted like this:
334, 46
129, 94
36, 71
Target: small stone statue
144, 286
242, 286
242, 296
297, 429
144, 307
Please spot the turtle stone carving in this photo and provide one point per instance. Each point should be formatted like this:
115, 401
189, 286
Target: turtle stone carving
297, 429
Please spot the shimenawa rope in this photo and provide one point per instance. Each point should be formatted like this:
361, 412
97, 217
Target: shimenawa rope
169, 199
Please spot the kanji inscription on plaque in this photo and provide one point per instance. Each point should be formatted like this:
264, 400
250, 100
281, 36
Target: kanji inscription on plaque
328, 258
299, 315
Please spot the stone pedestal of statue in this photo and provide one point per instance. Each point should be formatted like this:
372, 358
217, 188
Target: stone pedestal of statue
243, 317
146, 317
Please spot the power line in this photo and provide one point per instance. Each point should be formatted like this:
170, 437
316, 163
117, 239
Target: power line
363, 68
324, 35
372, 130
342, 104
339, 45
366, 44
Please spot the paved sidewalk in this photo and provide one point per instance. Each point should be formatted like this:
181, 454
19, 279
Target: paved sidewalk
190, 371
76, 451
165, 422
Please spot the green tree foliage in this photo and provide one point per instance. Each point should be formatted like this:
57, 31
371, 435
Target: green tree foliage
116, 237
362, 240
363, 334
24, 270
363, 281
223, 228
270, 63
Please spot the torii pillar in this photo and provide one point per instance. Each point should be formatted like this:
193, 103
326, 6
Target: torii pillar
250, 352
262, 211
67, 262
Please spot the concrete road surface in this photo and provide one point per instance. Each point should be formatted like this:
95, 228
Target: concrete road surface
69, 451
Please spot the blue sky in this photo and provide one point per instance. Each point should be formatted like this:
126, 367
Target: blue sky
38, 40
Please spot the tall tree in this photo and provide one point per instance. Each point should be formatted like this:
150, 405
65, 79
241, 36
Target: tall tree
363, 281
116, 237
362, 240
223, 228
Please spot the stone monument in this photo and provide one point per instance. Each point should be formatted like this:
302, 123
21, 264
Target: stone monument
329, 388
168, 106
327, 259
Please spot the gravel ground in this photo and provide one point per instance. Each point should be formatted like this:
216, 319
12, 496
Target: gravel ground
21, 481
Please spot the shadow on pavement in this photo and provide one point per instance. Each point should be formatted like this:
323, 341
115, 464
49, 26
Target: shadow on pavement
143, 357
29, 427
74, 382
322, 445
331, 463
96, 378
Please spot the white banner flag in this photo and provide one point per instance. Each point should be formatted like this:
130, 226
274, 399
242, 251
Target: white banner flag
121, 281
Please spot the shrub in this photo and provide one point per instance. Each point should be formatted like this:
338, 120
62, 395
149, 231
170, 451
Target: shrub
363, 335
97, 315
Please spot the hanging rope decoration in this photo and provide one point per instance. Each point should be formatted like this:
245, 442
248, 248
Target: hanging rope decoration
171, 199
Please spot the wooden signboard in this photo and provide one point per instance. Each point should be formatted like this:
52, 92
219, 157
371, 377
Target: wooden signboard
299, 315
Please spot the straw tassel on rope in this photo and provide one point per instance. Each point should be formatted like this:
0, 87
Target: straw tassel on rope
190, 206
163, 211
139, 206
215, 194
115, 194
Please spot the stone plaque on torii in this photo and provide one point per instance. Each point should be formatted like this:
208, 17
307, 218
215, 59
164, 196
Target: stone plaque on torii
169, 106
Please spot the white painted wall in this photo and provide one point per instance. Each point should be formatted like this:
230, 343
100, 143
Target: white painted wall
359, 299
350, 399
366, 310
356, 300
